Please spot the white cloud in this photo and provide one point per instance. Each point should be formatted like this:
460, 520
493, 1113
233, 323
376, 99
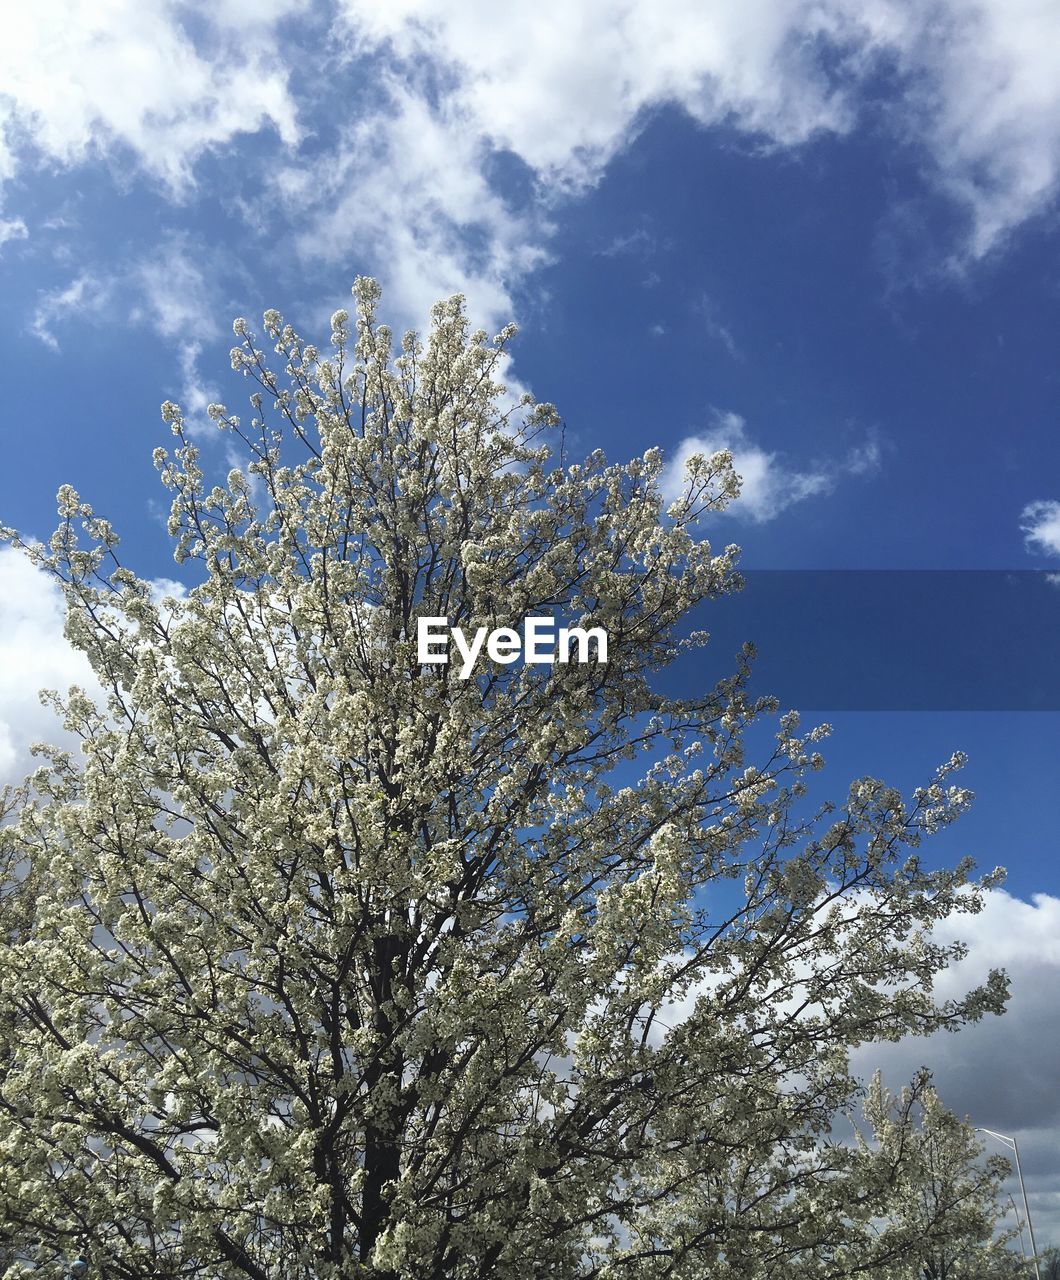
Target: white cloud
993, 92
33, 655
163, 588
769, 484
196, 392
563, 85
566, 86
119, 77
409, 188
408, 193
1041, 526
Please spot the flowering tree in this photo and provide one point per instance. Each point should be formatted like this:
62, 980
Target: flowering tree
1050, 1263
321, 961
942, 1198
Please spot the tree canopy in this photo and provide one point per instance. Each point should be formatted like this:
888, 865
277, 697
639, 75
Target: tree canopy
319, 961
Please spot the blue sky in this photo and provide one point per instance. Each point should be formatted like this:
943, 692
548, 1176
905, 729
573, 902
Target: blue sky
824, 235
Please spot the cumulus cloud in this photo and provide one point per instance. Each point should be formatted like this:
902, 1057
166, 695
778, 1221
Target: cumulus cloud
125, 78
562, 88
1041, 526
769, 485
1000, 1072
34, 655
990, 81
565, 87
410, 185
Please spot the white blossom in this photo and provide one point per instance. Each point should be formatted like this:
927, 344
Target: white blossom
323, 963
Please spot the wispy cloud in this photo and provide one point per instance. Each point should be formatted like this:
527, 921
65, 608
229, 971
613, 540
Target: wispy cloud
707, 310
407, 189
639, 242
182, 306
169, 292
177, 299
12, 229
86, 294
863, 458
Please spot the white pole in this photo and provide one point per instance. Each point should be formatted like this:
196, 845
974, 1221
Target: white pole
1026, 1203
